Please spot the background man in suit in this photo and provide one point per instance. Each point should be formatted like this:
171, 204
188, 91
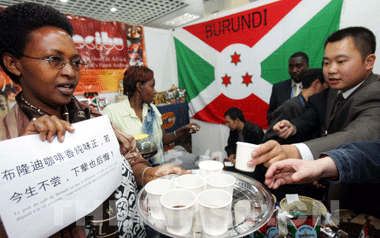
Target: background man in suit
240, 130
282, 91
313, 82
347, 67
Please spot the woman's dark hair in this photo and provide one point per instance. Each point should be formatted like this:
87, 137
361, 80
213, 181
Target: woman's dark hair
17, 21
234, 113
133, 75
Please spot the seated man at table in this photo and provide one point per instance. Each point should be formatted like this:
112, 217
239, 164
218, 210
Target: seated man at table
240, 130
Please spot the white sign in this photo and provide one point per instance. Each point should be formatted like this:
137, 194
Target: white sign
47, 186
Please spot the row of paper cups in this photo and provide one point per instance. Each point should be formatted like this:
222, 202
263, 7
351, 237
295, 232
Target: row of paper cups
176, 202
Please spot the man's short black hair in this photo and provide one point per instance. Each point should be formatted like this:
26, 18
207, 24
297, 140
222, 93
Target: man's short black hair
310, 76
302, 55
234, 113
364, 39
17, 21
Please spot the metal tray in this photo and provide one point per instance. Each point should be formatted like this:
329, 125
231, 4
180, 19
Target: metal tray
252, 207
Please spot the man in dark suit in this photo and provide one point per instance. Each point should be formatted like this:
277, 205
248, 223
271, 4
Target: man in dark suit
347, 66
240, 130
313, 82
356, 118
282, 91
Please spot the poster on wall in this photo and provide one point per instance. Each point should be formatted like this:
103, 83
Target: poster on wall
233, 60
108, 48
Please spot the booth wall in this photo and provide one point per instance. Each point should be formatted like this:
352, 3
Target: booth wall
161, 58
212, 138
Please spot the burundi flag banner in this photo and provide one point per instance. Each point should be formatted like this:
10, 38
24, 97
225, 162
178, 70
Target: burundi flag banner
234, 60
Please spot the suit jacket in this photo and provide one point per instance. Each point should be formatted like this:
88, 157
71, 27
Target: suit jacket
310, 123
252, 133
358, 164
357, 118
281, 92
290, 109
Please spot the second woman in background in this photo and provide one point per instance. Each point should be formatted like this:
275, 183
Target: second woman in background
137, 115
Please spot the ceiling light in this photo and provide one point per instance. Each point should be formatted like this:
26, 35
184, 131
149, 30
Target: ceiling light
185, 18
113, 9
63, 0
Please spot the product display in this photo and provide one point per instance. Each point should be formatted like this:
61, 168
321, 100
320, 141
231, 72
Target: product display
159, 98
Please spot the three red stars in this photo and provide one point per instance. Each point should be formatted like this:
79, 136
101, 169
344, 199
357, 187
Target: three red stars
247, 79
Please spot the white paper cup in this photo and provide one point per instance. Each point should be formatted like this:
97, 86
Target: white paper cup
154, 191
178, 206
194, 183
215, 211
221, 181
243, 155
208, 167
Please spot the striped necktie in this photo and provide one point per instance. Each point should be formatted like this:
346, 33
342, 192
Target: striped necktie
338, 102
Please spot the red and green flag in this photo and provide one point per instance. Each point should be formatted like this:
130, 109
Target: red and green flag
233, 61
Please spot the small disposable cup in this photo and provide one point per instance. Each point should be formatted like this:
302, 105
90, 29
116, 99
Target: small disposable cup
178, 206
194, 183
215, 211
208, 167
221, 181
154, 191
243, 155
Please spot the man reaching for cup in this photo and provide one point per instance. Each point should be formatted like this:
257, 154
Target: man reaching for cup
347, 67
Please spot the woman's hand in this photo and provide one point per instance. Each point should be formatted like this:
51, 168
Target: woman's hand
188, 129
191, 128
48, 127
155, 172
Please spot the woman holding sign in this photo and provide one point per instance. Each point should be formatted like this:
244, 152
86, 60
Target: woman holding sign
38, 54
